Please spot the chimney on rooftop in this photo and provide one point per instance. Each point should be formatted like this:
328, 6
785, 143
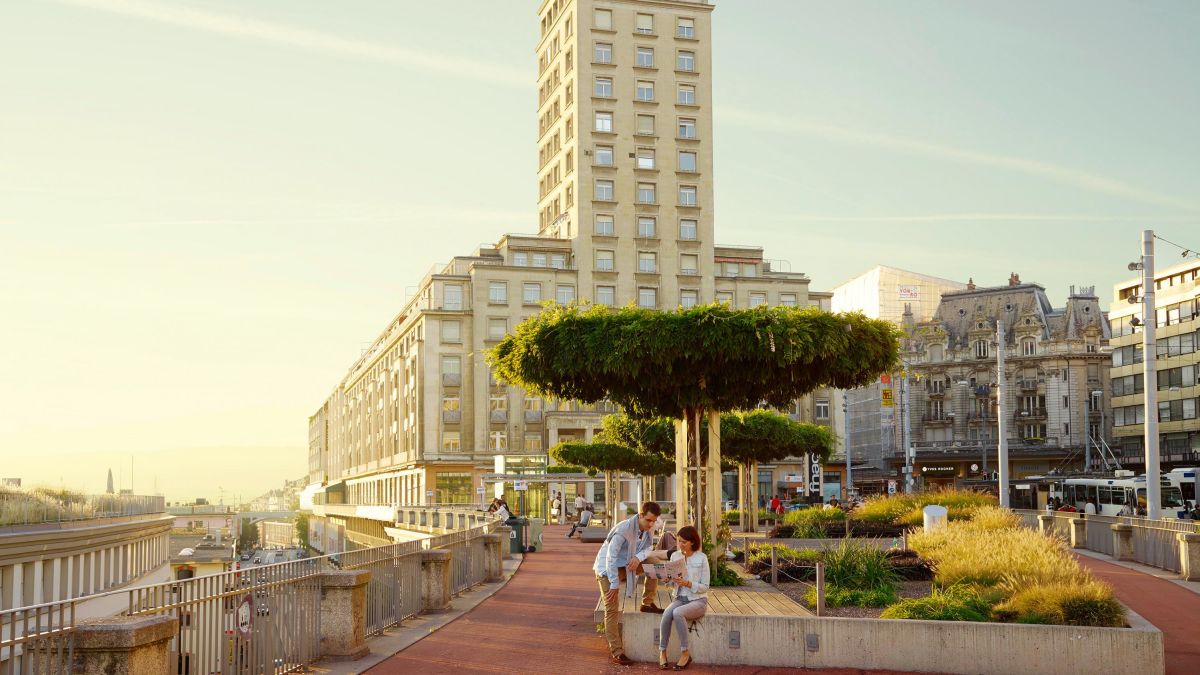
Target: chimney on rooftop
971, 284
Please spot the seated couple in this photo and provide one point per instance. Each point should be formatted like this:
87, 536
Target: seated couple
621, 558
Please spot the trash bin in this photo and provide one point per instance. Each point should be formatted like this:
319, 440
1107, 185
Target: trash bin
535, 534
520, 534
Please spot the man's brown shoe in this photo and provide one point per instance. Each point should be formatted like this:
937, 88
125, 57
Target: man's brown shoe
622, 660
651, 609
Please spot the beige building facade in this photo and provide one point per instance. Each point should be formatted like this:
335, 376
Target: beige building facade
625, 218
1177, 307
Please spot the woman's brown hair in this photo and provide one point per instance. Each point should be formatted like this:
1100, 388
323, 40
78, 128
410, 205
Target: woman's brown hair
689, 532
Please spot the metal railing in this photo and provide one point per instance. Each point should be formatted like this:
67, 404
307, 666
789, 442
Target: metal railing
38, 507
263, 619
1155, 543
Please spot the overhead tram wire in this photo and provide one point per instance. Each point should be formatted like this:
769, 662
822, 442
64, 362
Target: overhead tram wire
1187, 252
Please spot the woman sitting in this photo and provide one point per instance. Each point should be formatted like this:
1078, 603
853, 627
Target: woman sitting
691, 597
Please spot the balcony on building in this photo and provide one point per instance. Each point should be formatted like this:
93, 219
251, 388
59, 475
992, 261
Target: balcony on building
1029, 414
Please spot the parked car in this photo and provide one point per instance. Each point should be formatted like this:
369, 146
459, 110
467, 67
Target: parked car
245, 557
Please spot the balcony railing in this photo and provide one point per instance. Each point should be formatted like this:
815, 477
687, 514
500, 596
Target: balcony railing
1029, 414
937, 418
1028, 385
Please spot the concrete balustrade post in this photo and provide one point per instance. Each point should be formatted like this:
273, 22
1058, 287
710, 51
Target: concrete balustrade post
124, 645
1078, 533
1045, 524
505, 533
344, 614
435, 580
1122, 541
1189, 556
493, 556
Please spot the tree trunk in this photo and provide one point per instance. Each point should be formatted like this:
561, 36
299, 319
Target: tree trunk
681, 472
743, 514
713, 487
754, 495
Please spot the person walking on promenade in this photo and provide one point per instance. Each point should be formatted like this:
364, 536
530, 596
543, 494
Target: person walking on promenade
691, 597
620, 558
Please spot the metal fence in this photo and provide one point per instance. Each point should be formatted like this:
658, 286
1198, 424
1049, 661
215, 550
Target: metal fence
256, 620
35, 507
1155, 543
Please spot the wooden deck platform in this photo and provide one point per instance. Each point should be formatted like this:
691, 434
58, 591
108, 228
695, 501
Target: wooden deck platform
722, 601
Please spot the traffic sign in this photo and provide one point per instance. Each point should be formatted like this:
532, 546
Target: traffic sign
891, 487
245, 616
520, 485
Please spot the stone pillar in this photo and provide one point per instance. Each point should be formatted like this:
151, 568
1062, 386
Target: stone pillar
56, 592
1045, 524
18, 585
124, 645
493, 556
1122, 541
1189, 556
1078, 533
344, 615
435, 580
505, 534
39, 582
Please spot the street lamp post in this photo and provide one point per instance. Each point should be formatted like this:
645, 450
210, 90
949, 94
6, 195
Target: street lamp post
1149, 355
1002, 427
846, 440
908, 449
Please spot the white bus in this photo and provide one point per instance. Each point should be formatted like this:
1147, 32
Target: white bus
1185, 480
1110, 495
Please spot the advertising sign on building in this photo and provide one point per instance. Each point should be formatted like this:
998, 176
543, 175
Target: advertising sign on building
885, 398
908, 292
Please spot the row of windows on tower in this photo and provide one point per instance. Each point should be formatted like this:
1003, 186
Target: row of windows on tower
685, 59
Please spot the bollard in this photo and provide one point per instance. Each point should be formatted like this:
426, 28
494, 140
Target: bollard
1189, 556
435, 580
774, 567
344, 615
1122, 541
1078, 533
935, 517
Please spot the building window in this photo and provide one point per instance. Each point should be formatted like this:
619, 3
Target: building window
687, 230
539, 259
603, 87
689, 263
647, 193
604, 225
497, 328
604, 191
498, 440
606, 295
688, 298
604, 261
725, 296
602, 52
520, 259
532, 443
531, 293
647, 262
687, 94
687, 195
646, 226
645, 57
687, 127
645, 90
981, 349
822, 409
452, 296
451, 331
564, 295
558, 261
686, 28
604, 122
686, 61
498, 292
451, 440
451, 365
604, 155
645, 158
648, 298
687, 160
645, 125
602, 18
645, 24
757, 299
732, 269
1028, 347
787, 299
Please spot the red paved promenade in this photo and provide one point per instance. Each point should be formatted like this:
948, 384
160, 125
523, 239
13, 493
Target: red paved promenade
540, 622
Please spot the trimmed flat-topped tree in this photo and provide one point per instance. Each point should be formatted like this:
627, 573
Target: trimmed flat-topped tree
692, 363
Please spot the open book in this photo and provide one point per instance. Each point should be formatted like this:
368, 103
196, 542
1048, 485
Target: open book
669, 571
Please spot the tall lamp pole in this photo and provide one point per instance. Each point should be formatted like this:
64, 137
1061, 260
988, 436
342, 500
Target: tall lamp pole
908, 449
1149, 355
846, 441
1001, 422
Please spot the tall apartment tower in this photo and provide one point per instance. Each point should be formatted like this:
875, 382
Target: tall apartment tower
625, 146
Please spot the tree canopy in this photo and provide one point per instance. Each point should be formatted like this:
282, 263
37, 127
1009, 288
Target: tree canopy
612, 458
713, 357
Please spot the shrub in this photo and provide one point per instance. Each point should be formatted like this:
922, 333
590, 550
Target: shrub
723, 575
788, 559
916, 517
994, 518
836, 596
968, 555
856, 567
895, 508
956, 603
1090, 603
732, 516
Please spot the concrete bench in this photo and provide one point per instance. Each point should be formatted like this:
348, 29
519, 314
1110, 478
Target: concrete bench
593, 534
721, 601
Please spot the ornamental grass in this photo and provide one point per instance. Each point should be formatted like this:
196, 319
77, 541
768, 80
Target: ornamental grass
897, 508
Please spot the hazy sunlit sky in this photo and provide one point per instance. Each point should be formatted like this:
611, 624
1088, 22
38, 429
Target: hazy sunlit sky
207, 208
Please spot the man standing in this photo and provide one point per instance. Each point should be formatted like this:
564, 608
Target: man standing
625, 549
580, 502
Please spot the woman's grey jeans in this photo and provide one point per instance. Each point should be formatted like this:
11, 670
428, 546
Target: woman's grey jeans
679, 613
